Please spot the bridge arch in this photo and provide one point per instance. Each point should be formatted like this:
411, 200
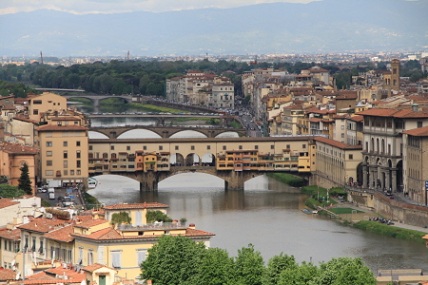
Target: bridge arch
228, 134
139, 133
187, 134
97, 135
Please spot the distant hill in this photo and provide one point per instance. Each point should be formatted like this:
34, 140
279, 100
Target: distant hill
324, 26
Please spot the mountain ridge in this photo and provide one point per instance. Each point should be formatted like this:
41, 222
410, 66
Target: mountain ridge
316, 27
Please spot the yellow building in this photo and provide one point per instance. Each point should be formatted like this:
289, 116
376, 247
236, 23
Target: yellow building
124, 247
12, 158
63, 143
337, 163
46, 102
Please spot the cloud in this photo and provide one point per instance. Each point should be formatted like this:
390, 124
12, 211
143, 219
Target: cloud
122, 6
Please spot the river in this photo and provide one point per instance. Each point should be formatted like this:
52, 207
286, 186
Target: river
266, 214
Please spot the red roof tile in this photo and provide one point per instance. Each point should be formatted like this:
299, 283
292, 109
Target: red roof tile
90, 223
62, 234
93, 267
47, 128
14, 234
15, 148
419, 132
337, 144
6, 202
404, 113
7, 274
42, 225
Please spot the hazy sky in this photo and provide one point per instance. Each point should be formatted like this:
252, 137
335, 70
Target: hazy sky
118, 6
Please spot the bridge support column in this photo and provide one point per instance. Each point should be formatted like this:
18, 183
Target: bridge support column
235, 181
148, 182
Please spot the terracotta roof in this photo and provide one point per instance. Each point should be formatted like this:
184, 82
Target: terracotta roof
316, 110
46, 128
108, 233
314, 120
404, 113
64, 118
91, 268
14, 234
42, 225
7, 274
17, 148
419, 132
49, 276
131, 206
357, 118
6, 202
90, 223
194, 233
62, 234
337, 144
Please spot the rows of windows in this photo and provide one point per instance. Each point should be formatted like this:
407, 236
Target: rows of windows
64, 143
192, 147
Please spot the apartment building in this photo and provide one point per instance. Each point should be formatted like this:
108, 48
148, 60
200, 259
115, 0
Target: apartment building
46, 102
63, 144
383, 146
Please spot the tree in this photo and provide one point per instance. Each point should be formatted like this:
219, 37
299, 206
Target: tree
9, 191
173, 260
120, 218
215, 268
299, 275
345, 271
276, 265
249, 266
153, 216
24, 180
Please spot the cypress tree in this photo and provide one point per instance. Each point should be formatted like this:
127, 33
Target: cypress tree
24, 180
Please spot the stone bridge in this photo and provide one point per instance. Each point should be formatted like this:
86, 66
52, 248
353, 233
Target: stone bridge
166, 132
97, 98
149, 180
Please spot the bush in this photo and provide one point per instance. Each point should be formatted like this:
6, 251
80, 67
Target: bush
288, 179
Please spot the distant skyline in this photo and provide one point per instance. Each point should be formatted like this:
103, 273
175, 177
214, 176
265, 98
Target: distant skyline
124, 6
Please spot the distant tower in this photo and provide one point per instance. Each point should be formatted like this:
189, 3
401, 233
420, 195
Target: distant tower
127, 55
41, 57
395, 74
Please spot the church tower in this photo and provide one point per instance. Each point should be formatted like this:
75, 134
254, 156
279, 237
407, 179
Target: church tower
395, 74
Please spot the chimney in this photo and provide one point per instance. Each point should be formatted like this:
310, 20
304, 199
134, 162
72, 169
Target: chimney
415, 107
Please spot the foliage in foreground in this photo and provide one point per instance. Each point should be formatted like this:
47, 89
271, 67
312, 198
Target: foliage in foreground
9, 191
179, 260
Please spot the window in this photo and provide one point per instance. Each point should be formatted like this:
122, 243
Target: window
419, 124
48, 143
176, 147
145, 147
112, 147
65, 143
160, 147
115, 259
80, 255
78, 154
35, 112
90, 147
48, 162
90, 257
71, 172
256, 147
208, 147
65, 155
65, 163
41, 246
78, 164
49, 172
78, 143
78, 172
33, 247
49, 153
351, 156
303, 145
128, 147
192, 147
224, 147
37, 102
240, 147
141, 256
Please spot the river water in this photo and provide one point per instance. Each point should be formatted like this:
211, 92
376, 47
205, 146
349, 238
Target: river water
266, 214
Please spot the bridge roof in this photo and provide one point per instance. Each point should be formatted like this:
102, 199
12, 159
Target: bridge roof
126, 206
53, 128
207, 140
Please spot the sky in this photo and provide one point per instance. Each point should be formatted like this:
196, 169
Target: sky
123, 6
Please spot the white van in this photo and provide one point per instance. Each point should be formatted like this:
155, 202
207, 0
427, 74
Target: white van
51, 190
51, 195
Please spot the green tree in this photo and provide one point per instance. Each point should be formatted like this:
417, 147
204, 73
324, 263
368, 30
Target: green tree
173, 260
24, 180
120, 218
9, 191
276, 265
159, 216
249, 266
299, 275
215, 268
345, 271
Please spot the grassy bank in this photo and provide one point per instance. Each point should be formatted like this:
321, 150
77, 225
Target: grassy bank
90, 201
390, 231
288, 179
